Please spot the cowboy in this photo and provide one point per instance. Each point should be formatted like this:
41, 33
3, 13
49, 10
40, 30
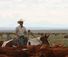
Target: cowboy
20, 31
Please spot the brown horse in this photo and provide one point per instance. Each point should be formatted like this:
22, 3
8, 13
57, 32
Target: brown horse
44, 39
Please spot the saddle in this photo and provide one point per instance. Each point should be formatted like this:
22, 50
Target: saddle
14, 42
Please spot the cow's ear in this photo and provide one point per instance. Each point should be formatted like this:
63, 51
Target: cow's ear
42, 56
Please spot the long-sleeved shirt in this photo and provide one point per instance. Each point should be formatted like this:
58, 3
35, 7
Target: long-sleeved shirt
21, 31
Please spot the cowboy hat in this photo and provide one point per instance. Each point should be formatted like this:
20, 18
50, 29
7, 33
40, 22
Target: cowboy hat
20, 21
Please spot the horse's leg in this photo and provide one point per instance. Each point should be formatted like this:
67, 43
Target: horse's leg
29, 43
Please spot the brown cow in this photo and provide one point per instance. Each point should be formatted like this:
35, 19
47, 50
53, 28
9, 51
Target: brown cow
34, 51
38, 56
44, 46
58, 44
52, 52
33, 48
2, 55
14, 53
66, 56
23, 54
60, 52
46, 52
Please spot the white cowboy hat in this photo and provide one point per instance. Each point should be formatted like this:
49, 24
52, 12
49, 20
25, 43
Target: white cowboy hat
21, 20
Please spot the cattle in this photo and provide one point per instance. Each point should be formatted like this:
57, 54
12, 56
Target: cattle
2, 55
23, 54
66, 56
51, 52
58, 44
14, 53
38, 56
34, 56
34, 51
44, 50
33, 48
60, 52
44, 45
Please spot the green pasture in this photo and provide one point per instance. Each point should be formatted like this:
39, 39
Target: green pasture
53, 38
59, 38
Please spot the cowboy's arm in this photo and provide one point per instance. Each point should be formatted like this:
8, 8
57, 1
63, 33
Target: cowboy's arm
15, 32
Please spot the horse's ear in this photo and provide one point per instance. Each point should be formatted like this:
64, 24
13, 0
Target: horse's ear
45, 35
48, 35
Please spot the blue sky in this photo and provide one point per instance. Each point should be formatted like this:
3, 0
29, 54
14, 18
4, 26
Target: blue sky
36, 13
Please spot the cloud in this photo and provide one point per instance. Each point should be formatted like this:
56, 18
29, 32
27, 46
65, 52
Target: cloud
66, 5
17, 0
5, 21
4, 14
36, 16
21, 6
33, 11
6, 3
31, 3
41, 6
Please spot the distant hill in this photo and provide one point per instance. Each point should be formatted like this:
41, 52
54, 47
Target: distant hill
50, 31
41, 31
36, 29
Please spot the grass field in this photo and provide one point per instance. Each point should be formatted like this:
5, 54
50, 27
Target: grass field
59, 38
53, 38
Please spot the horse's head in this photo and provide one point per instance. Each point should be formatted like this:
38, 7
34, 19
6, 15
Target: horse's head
44, 39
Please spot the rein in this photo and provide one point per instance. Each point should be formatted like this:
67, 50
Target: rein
35, 37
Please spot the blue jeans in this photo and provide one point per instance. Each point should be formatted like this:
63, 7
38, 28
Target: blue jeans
21, 40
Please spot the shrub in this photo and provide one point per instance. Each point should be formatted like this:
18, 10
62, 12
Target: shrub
66, 36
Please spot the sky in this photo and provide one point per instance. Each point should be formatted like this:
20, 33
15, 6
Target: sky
36, 13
